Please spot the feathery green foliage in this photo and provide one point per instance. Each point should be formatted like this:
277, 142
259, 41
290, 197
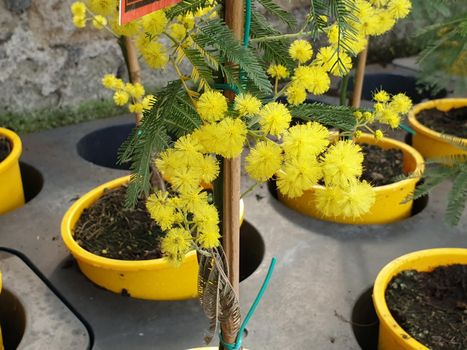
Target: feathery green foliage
443, 60
277, 11
172, 115
452, 167
340, 117
216, 34
273, 51
184, 7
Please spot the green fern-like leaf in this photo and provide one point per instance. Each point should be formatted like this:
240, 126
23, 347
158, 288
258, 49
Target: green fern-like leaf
432, 177
172, 115
336, 116
273, 51
216, 34
456, 199
280, 13
184, 7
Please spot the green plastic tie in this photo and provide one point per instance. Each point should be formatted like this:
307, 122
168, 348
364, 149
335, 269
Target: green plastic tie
238, 340
407, 128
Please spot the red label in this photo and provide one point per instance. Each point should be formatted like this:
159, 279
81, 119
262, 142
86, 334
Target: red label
134, 9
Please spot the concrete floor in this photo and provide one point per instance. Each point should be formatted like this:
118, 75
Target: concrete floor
322, 268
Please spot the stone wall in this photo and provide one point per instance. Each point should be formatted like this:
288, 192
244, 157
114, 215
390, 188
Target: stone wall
45, 62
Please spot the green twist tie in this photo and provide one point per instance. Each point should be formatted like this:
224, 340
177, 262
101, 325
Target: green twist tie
238, 340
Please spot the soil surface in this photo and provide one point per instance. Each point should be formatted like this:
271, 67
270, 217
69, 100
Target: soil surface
380, 166
432, 306
5, 148
453, 122
109, 229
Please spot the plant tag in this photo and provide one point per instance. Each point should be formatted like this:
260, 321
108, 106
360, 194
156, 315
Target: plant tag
134, 9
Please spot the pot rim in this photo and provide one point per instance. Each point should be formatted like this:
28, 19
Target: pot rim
420, 163
74, 212
419, 127
388, 272
15, 150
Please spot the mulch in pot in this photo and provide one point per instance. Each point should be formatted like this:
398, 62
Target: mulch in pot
432, 306
5, 148
453, 122
109, 229
381, 166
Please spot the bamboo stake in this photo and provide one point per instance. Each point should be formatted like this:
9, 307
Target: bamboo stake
134, 69
359, 76
234, 18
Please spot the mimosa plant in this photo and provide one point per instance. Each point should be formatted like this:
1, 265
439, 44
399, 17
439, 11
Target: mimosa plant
210, 128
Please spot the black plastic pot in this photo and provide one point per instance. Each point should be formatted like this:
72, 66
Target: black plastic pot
395, 83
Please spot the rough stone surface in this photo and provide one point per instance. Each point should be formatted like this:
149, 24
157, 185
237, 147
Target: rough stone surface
46, 62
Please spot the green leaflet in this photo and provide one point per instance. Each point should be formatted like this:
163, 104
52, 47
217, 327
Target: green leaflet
217, 34
337, 116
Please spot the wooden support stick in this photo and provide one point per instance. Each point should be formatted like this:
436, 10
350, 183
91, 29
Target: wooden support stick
134, 69
359, 76
234, 18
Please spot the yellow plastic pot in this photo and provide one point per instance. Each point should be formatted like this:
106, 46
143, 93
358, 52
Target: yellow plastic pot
391, 335
387, 207
429, 142
155, 279
1, 338
11, 186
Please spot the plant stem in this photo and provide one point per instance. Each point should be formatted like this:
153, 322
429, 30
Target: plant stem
343, 92
281, 37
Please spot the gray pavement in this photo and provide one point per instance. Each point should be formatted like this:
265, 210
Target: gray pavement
322, 267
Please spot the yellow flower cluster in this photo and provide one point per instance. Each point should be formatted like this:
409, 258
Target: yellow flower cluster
299, 156
388, 110
147, 30
125, 93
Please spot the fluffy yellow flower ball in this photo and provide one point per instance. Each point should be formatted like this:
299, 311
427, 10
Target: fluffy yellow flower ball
296, 177
275, 118
399, 8
103, 7
296, 93
264, 160
278, 71
357, 199
352, 201
233, 135
79, 21
155, 55
161, 211
177, 31
111, 82
155, 22
342, 163
136, 90
78, 8
400, 103
121, 98
176, 244
246, 104
379, 134
314, 79
301, 50
99, 22
212, 106
302, 141
381, 96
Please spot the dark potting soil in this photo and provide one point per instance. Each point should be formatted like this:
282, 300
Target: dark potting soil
5, 148
109, 229
432, 306
453, 122
381, 166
